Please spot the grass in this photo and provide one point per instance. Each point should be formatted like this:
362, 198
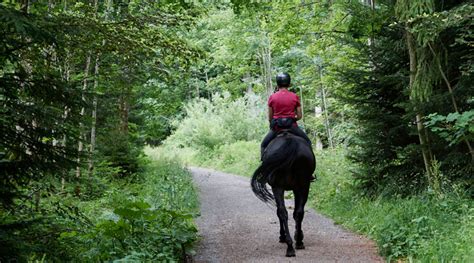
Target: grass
421, 228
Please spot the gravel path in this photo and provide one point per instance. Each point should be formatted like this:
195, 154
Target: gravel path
237, 227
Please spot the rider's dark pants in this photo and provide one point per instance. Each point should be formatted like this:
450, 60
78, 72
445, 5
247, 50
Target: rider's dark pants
272, 134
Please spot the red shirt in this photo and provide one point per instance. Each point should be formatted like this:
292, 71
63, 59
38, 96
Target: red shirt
284, 104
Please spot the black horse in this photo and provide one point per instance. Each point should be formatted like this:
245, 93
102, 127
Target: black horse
288, 164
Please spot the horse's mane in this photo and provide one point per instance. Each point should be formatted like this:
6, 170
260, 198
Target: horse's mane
281, 158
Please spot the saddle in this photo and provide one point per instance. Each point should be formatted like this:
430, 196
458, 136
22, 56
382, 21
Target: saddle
285, 132
282, 124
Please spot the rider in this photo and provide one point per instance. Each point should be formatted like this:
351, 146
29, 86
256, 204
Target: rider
284, 109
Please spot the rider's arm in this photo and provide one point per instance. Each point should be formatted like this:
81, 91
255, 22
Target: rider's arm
299, 115
270, 114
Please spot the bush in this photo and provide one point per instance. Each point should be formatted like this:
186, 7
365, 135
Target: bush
211, 123
220, 133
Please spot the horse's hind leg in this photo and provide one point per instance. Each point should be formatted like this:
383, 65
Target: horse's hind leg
283, 217
301, 196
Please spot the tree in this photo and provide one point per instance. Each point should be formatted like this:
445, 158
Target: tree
34, 96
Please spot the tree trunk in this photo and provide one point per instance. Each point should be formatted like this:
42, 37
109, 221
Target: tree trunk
371, 39
268, 68
326, 118
266, 65
325, 110
94, 118
249, 83
125, 113
25, 6
37, 198
425, 148
302, 103
197, 89
317, 114
262, 67
67, 73
50, 6
124, 108
90, 169
80, 147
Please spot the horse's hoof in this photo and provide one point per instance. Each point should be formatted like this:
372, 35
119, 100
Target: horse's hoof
282, 239
290, 253
299, 246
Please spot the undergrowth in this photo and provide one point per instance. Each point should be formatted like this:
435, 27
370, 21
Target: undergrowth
146, 217
424, 228
151, 220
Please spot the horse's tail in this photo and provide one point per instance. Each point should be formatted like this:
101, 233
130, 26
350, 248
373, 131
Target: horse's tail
281, 159
259, 188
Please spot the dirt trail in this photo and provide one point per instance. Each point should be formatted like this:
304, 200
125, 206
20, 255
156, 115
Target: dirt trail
237, 227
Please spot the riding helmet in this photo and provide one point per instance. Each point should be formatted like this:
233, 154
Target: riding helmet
283, 79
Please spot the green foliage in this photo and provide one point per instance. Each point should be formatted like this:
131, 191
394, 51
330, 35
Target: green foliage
145, 67
454, 128
121, 150
386, 139
158, 101
222, 133
33, 231
71, 78
155, 225
427, 26
150, 218
34, 97
424, 227
384, 143
407, 10
210, 124
169, 186
241, 157
139, 232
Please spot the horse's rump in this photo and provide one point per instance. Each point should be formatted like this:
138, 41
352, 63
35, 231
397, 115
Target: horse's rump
288, 162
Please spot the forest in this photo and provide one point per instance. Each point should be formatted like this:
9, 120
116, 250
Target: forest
105, 103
